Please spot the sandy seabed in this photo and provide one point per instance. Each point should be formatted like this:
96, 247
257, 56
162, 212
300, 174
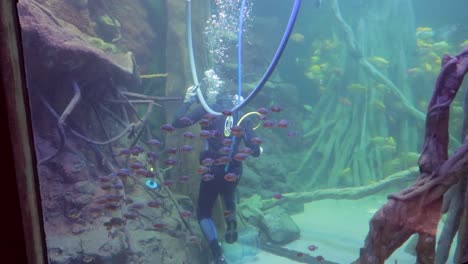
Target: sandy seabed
338, 228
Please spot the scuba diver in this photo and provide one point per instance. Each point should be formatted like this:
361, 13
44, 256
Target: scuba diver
224, 170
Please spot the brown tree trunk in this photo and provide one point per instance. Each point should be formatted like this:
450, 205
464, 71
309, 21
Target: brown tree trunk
417, 208
462, 255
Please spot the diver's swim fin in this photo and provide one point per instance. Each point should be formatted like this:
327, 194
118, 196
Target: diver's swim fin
231, 232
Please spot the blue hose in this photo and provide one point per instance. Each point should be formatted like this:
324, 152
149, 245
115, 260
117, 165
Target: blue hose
239, 53
276, 58
269, 71
239, 75
188, 28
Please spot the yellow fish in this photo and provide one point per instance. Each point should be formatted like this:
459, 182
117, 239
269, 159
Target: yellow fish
381, 87
391, 141
423, 29
379, 61
297, 37
379, 105
356, 87
346, 170
314, 59
315, 69
427, 67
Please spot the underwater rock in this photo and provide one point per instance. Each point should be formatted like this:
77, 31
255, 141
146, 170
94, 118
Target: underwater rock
106, 248
250, 177
268, 176
276, 167
63, 249
147, 244
250, 208
185, 202
84, 187
279, 226
73, 168
245, 191
79, 3
55, 50
292, 207
102, 45
73, 200
82, 200
246, 247
109, 28
159, 247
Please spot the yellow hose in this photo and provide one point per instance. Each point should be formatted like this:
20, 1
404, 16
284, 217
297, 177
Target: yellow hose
246, 115
156, 75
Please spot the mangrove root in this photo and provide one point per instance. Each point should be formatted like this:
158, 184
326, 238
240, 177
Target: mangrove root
397, 179
418, 208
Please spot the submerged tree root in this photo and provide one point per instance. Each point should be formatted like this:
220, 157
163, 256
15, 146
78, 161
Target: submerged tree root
453, 206
418, 208
62, 119
368, 67
63, 127
397, 179
371, 70
462, 249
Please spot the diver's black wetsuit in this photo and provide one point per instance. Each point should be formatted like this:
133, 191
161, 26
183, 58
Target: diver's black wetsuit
209, 190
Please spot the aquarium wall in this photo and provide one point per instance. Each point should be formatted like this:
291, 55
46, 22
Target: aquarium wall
357, 116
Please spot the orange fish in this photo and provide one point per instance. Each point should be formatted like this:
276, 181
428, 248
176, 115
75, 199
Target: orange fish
241, 156
276, 109
263, 111
186, 214
230, 177
283, 123
312, 247
154, 204
278, 196
256, 140
168, 128
159, 225
208, 177
203, 169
